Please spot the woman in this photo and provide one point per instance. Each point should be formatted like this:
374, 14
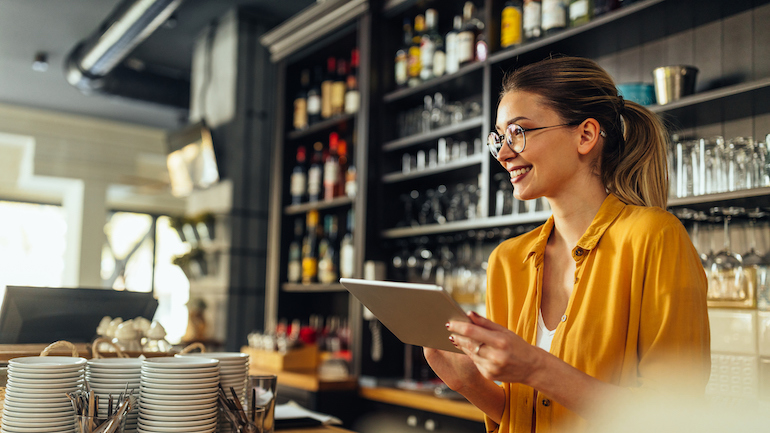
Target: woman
606, 301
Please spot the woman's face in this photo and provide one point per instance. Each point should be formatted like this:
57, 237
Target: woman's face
549, 160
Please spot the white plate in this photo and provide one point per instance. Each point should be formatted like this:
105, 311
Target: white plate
34, 383
173, 419
187, 391
153, 402
114, 370
183, 362
176, 423
24, 422
205, 375
180, 381
139, 429
112, 363
112, 375
35, 405
43, 362
45, 376
57, 429
21, 392
103, 381
31, 417
25, 399
198, 409
177, 371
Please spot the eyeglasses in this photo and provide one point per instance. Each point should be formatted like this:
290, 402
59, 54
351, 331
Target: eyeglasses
514, 138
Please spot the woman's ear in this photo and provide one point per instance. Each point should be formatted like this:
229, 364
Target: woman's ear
590, 131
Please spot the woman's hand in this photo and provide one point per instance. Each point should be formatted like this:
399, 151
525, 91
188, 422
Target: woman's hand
455, 369
498, 353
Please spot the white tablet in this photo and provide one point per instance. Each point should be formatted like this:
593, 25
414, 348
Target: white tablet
415, 313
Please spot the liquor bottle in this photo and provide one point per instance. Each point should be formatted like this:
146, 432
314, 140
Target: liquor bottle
452, 63
580, 12
315, 173
310, 249
554, 16
331, 168
342, 156
339, 86
511, 26
314, 98
347, 253
604, 6
352, 95
326, 87
414, 60
402, 57
471, 34
300, 101
439, 58
294, 271
428, 43
531, 20
328, 261
298, 182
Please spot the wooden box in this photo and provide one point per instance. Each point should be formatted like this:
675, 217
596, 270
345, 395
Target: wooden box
303, 358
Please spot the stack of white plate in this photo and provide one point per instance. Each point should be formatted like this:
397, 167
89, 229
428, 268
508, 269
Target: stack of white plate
36, 394
178, 395
233, 371
113, 376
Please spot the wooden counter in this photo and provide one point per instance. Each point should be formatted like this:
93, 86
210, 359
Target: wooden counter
307, 380
320, 429
423, 401
10, 351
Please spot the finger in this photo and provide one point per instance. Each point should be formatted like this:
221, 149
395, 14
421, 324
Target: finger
466, 344
483, 322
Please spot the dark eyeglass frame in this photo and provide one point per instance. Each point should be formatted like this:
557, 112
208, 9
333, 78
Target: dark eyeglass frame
495, 141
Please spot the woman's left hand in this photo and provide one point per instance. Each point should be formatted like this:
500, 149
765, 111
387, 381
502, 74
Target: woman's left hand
498, 353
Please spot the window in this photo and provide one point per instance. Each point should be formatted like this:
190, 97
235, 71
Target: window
32, 244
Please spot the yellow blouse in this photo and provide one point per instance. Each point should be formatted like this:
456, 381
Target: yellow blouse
637, 316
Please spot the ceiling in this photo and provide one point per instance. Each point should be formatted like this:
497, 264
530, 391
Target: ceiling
56, 26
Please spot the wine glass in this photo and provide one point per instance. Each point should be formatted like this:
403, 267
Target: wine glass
740, 151
755, 265
730, 278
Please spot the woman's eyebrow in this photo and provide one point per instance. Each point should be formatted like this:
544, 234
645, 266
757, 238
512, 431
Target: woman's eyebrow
509, 121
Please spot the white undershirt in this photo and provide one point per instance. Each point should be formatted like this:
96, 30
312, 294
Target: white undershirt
544, 335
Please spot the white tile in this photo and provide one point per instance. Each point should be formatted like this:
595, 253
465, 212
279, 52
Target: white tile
733, 331
763, 332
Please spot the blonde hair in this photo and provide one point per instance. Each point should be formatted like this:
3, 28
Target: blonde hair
633, 164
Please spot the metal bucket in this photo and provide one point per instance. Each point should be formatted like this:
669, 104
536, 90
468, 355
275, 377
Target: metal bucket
673, 82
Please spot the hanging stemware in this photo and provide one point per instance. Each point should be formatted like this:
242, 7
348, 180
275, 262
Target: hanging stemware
728, 265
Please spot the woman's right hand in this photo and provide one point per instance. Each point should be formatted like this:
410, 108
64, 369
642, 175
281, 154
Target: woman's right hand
455, 369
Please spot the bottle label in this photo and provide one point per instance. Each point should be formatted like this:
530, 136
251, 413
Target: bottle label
297, 184
402, 71
300, 113
532, 18
414, 62
352, 101
510, 33
578, 9
439, 63
309, 269
314, 182
314, 105
338, 97
346, 261
326, 99
326, 272
331, 172
554, 14
465, 47
427, 49
295, 271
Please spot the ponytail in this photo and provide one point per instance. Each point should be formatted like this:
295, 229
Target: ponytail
633, 163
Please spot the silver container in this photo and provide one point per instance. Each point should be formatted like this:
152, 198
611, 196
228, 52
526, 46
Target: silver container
673, 82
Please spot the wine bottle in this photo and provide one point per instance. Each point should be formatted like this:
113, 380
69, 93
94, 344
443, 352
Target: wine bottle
352, 95
342, 157
298, 182
339, 87
326, 87
314, 98
452, 63
428, 44
414, 60
402, 57
580, 12
315, 173
331, 168
531, 20
294, 271
469, 39
300, 101
347, 253
511, 28
328, 259
310, 249
555, 16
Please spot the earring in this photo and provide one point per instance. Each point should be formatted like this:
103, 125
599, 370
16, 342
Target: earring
602, 133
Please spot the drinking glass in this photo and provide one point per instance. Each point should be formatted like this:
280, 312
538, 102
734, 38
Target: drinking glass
755, 265
713, 164
730, 277
687, 168
261, 392
740, 151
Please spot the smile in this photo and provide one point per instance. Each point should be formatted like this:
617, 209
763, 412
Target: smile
520, 171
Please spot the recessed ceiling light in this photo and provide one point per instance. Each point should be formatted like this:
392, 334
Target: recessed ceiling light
41, 62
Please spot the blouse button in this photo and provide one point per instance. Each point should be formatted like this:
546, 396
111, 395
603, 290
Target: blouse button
579, 252
546, 402
564, 318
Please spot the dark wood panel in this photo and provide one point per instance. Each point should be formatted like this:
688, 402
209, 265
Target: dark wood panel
737, 51
708, 56
761, 59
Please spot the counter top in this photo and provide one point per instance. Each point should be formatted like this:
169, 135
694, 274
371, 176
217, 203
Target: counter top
320, 429
307, 380
423, 401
